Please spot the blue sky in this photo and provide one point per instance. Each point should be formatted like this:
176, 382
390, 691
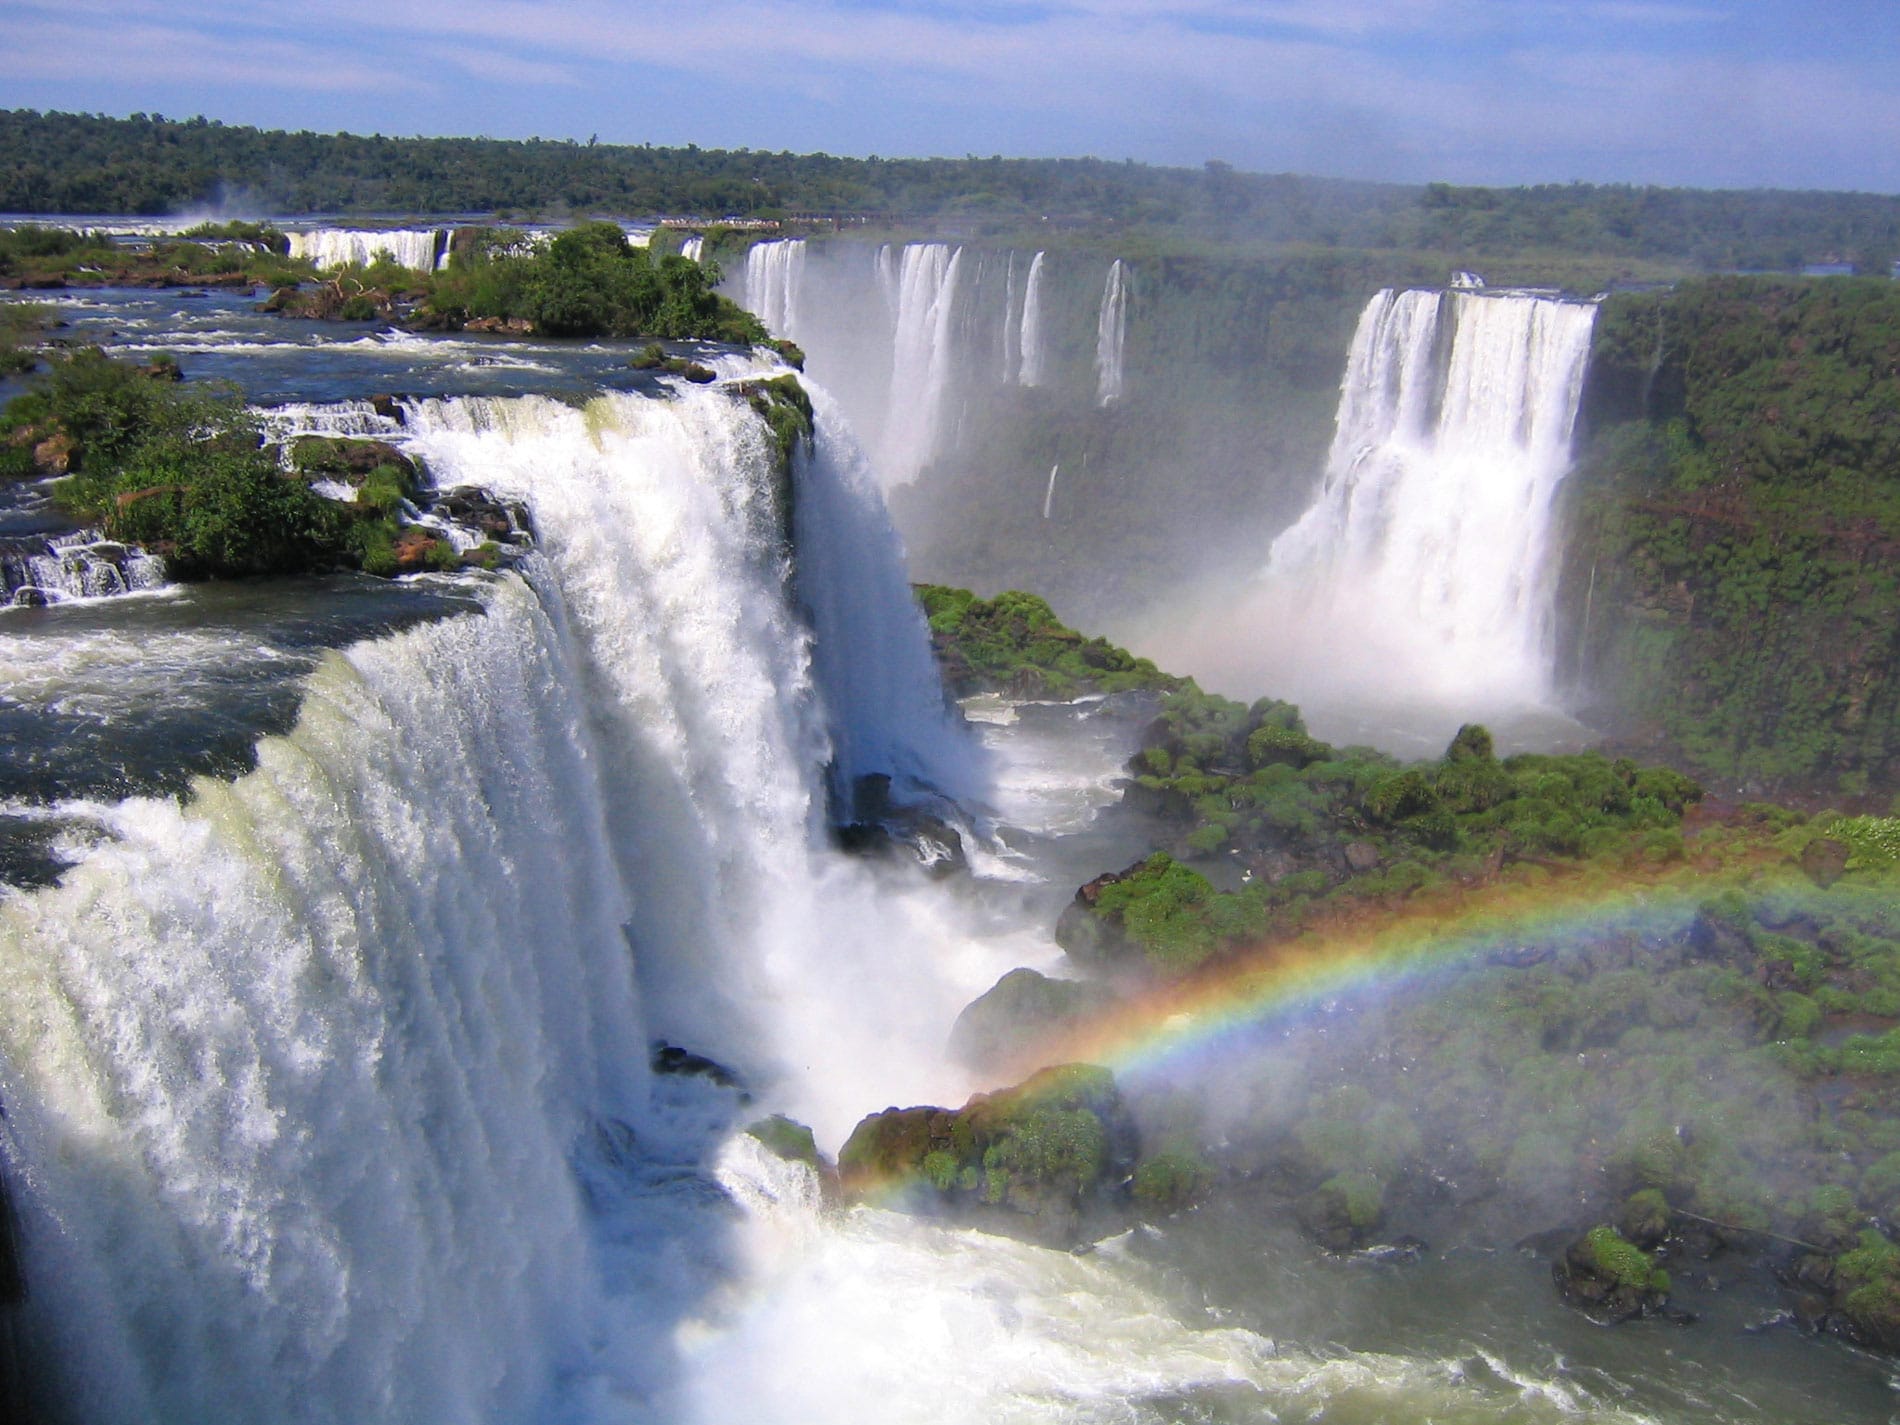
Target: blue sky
1717, 93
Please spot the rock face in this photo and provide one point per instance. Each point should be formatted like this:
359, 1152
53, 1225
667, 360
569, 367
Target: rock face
1610, 1278
1004, 1028
1032, 1160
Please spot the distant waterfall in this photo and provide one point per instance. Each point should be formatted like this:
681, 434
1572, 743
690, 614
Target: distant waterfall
1111, 334
921, 359
693, 247
415, 248
1012, 325
1424, 558
1031, 372
774, 278
1049, 495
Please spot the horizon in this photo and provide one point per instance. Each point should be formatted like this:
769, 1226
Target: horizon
1716, 94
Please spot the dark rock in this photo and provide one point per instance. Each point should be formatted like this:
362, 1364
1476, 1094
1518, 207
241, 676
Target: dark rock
1609, 1279
671, 1059
1344, 1213
1006, 1027
1825, 860
1644, 1219
477, 510
1361, 856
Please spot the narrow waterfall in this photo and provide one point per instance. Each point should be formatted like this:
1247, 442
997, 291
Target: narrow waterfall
1049, 495
312, 1081
1012, 325
1032, 372
415, 248
1421, 568
1111, 334
774, 277
922, 360
693, 247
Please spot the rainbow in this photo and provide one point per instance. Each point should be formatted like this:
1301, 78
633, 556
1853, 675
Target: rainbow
1166, 1029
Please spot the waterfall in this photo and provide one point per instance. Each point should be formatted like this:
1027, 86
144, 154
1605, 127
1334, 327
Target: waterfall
1424, 558
1049, 495
774, 275
414, 248
1012, 325
693, 247
1111, 333
311, 1080
1031, 372
74, 566
921, 360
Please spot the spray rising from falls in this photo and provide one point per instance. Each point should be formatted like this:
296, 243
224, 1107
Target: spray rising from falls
774, 277
1421, 571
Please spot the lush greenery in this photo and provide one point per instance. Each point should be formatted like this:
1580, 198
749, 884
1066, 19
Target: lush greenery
1733, 580
77, 163
182, 470
1014, 643
588, 281
238, 253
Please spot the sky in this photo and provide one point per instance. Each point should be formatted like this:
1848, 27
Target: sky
1709, 93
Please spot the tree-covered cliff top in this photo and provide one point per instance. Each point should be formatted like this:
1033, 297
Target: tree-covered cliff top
79, 163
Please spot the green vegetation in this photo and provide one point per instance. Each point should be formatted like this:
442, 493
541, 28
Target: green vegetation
588, 281
182, 470
1015, 643
149, 164
33, 256
1734, 576
1623, 1262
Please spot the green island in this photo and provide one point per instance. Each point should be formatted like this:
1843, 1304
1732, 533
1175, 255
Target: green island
1574, 1004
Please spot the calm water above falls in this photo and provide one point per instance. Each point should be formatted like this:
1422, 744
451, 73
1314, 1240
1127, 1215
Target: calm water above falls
326, 1083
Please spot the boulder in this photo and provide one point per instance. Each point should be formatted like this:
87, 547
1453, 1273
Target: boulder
1006, 1027
1034, 1160
1609, 1278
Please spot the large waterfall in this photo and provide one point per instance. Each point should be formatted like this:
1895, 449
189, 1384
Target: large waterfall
322, 1087
414, 248
1111, 335
922, 357
1421, 570
774, 275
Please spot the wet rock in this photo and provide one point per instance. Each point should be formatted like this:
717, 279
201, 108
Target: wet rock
1609, 1278
1004, 1028
1344, 1213
672, 1059
482, 513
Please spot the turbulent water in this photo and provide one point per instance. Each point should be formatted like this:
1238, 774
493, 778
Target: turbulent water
1423, 568
327, 1083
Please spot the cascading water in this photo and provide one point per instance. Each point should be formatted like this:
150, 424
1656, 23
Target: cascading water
922, 360
1111, 335
75, 566
416, 249
774, 276
306, 1135
1421, 569
1031, 372
693, 248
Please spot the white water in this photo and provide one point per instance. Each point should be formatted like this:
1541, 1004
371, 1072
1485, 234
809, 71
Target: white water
1032, 373
774, 277
1049, 495
414, 248
922, 360
1111, 335
78, 566
692, 248
1421, 572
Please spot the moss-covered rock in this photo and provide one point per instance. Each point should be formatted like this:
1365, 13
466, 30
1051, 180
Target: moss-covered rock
1005, 1028
1610, 1278
1034, 1159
